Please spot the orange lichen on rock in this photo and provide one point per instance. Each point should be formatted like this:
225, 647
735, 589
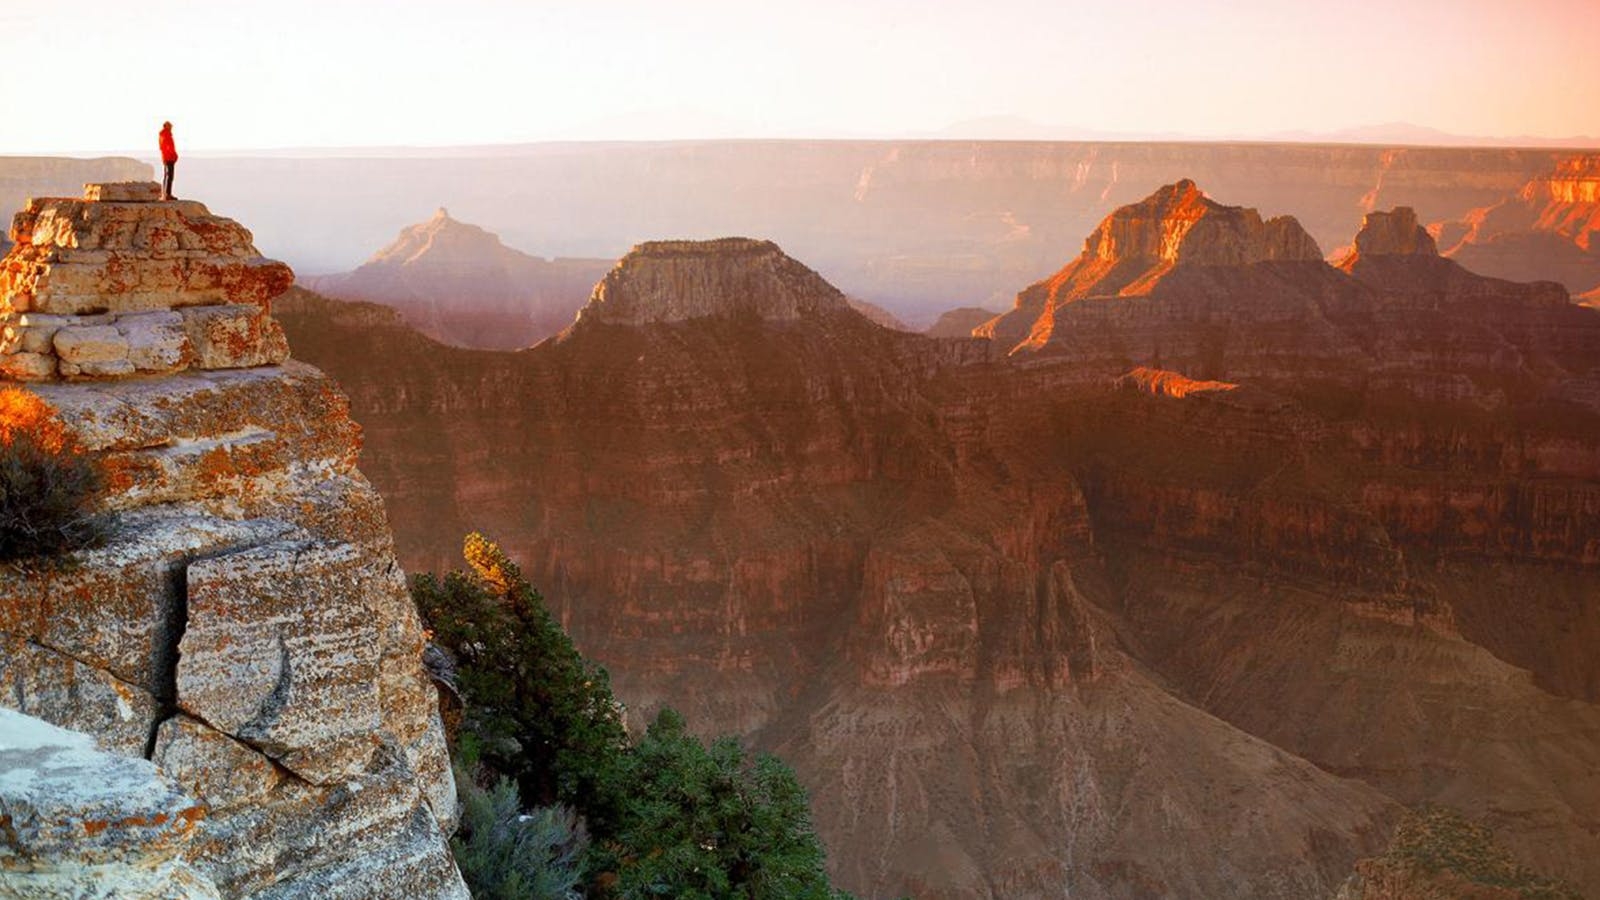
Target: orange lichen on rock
24, 412
111, 288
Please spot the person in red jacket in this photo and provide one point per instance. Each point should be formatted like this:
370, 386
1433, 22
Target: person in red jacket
169, 158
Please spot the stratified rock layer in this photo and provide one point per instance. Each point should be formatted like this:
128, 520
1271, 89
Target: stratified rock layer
245, 626
1186, 603
118, 284
1548, 229
674, 281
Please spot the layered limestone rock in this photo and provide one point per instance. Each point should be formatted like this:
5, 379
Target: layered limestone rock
81, 822
675, 281
1393, 314
899, 593
245, 626
458, 283
1139, 245
118, 284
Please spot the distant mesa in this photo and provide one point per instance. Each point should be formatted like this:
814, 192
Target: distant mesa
1140, 244
459, 284
735, 277
1179, 282
960, 322
1393, 233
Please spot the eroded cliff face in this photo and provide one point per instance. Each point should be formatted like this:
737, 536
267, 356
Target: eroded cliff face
1548, 229
458, 284
246, 627
1053, 620
1392, 314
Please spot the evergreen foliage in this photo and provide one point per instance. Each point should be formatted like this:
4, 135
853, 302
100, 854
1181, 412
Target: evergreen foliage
667, 817
505, 854
1437, 840
545, 716
702, 823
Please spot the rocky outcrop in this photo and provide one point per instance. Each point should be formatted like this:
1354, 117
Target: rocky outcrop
1393, 314
117, 285
1139, 247
458, 284
246, 626
1392, 233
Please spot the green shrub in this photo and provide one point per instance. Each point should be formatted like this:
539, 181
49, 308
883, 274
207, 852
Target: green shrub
45, 498
541, 713
668, 817
505, 854
706, 822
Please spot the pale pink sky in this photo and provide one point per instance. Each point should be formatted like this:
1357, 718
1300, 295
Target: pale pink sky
102, 74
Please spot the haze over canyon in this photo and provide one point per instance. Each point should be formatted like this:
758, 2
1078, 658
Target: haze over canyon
1239, 511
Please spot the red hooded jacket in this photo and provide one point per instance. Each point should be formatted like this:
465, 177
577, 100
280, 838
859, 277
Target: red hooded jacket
169, 150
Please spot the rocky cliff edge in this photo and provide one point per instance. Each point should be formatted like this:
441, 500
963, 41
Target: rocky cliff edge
246, 627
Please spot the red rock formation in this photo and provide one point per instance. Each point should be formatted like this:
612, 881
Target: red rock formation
1138, 245
1547, 230
459, 284
938, 582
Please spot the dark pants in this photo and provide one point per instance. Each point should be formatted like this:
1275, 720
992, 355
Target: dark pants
166, 181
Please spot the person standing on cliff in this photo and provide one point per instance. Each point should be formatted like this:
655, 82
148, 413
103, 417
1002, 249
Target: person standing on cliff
169, 159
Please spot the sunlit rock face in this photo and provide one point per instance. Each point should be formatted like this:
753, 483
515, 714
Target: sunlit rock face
245, 627
117, 285
1549, 229
1137, 247
1393, 233
458, 284
1393, 313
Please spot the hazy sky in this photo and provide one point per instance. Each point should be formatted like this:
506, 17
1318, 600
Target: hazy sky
102, 74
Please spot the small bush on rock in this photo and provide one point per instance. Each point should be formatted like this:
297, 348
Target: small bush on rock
506, 854
46, 491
